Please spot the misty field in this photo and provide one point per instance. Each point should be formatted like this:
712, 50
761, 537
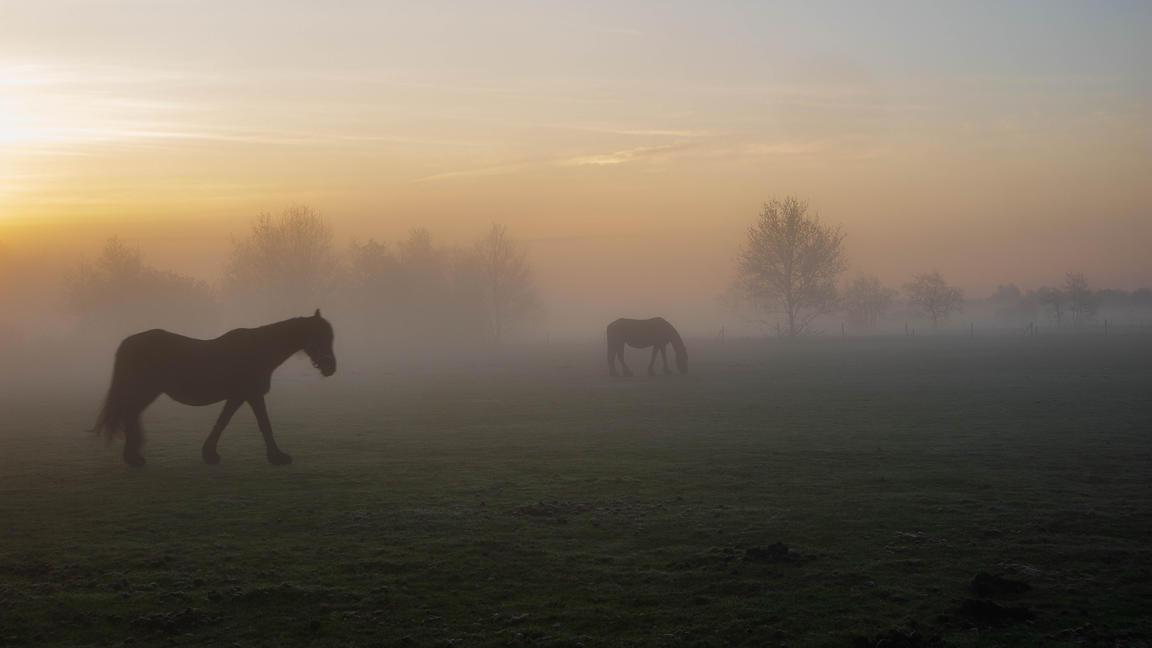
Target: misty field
820, 493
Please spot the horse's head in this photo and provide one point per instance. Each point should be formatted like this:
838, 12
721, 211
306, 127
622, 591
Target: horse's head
682, 361
319, 344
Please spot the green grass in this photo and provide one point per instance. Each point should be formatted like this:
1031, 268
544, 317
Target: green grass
544, 504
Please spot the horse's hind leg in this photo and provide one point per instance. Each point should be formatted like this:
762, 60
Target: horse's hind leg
275, 456
208, 451
134, 430
652, 363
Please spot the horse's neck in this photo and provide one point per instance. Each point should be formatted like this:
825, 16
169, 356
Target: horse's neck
283, 339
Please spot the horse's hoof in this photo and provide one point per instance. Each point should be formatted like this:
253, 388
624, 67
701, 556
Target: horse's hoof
134, 460
280, 459
210, 458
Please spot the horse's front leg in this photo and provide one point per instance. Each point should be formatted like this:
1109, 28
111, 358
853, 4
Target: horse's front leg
652, 363
275, 456
208, 451
623, 365
664, 358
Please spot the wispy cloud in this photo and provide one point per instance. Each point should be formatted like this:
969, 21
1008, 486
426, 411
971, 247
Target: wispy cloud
623, 156
645, 132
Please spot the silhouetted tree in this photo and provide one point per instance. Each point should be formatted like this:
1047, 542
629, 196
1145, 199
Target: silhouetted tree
1055, 300
119, 288
790, 262
373, 271
1142, 298
287, 262
1082, 301
509, 293
865, 300
932, 295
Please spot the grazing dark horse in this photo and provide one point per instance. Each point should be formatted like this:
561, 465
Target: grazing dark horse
235, 368
656, 333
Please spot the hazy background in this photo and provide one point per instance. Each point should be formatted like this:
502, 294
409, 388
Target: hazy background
629, 147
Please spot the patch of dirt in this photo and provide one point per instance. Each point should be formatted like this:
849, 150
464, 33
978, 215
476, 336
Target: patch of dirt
776, 552
988, 613
987, 585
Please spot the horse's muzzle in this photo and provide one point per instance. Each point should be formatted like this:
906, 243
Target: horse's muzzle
326, 364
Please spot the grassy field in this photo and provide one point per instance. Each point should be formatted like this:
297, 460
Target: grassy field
826, 493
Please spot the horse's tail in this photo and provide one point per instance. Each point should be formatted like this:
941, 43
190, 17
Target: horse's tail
113, 414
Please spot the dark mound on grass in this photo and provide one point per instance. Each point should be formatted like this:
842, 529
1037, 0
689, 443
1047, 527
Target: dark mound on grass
988, 613
987, 585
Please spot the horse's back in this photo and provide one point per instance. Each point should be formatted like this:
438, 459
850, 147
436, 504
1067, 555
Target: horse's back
640, 332
153, 339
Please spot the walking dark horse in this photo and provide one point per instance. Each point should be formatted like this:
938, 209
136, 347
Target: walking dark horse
656, 333
235, 368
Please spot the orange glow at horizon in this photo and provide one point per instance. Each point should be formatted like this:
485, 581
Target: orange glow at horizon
617, 141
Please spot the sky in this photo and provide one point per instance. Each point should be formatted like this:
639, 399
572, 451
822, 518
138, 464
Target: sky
629, 144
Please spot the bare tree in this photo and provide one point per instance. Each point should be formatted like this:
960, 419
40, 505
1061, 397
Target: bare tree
866, 300
509, 292
1082, 301
790, 262
931, 294
373, 271
286, 262
1055, 300
118, 288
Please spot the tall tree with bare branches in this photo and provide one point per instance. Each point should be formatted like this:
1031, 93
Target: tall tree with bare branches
866, 300
1082, 301
287, 262
931, 294
790, 262
509, 290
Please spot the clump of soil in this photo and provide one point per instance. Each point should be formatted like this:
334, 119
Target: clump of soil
988, 613
987, 585
775, 552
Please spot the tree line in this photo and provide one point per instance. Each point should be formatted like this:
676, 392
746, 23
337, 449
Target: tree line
415, 292
409, 292
788, 269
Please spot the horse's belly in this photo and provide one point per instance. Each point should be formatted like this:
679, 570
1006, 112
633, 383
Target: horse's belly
198, 392
195, 398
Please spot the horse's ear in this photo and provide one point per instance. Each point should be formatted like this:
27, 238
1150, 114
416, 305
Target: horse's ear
317, 313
